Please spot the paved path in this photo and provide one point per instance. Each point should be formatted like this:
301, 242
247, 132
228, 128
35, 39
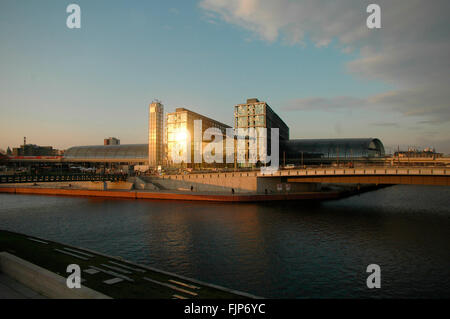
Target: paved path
11, 289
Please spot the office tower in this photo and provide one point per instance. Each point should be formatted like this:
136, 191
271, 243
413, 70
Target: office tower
254, 114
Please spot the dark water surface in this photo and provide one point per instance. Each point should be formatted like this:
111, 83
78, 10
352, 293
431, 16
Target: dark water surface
278, 250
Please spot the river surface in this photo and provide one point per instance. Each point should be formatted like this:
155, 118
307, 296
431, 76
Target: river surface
276, 250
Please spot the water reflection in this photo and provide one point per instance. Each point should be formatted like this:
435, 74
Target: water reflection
282, 250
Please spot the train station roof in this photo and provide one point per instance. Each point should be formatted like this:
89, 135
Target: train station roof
332, 148
108, 153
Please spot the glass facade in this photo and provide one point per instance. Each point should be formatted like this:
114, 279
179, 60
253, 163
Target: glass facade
177, 134
155, 134
180, 134
353, 148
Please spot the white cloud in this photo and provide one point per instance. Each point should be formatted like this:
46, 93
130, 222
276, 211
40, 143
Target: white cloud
326, 104
174, 11
429, 102
323, 20
411, 52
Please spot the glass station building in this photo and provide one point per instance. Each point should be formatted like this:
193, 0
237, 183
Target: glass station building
179, 129
126, 154
180, 134
301, 151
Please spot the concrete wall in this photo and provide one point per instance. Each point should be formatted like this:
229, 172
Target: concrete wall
119, 185
242, 183
246, 182
141, 184
90, 185
105, 185
43, 281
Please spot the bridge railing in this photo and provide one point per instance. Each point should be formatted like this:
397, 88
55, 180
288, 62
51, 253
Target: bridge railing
11, 179
329, 171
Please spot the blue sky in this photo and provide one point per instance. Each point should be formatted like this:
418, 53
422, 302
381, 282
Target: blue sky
66, 87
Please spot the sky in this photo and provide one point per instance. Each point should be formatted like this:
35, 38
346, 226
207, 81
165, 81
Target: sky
314, 62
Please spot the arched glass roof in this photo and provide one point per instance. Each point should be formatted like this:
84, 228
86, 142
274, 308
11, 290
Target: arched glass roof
130, 152
333, 148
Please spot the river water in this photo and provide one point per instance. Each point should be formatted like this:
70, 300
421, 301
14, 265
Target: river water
276, 250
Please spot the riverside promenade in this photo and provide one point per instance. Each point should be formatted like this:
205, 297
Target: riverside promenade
33, 267
12, 289
166, 194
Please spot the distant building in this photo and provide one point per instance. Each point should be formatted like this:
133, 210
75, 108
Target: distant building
3, 156
34, 150
155, 134
180, 133
414, 153
111, 141
254, 114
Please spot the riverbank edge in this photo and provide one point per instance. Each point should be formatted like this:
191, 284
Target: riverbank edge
236, 293
174, 196
43, 281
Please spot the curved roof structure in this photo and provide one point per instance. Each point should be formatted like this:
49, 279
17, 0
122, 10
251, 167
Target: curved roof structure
108, 153
333, 148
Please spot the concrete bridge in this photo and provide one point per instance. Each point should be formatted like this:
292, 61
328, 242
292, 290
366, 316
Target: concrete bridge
301, 180
254, 182
367, 175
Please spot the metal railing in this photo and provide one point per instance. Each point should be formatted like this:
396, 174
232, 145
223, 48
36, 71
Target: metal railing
11, 179
369, 170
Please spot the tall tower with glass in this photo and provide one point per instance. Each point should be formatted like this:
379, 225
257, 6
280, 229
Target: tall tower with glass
155, 134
